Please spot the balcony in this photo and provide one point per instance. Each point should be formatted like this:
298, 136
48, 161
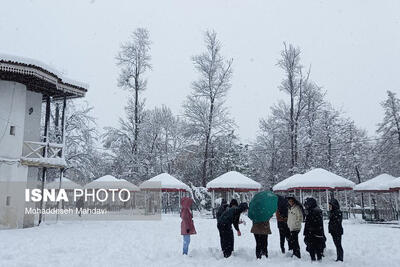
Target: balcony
43, 154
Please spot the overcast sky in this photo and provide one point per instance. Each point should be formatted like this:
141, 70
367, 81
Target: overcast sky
354, 49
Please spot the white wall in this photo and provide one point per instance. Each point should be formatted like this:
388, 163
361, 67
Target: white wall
12, 113
15, 102
32, 121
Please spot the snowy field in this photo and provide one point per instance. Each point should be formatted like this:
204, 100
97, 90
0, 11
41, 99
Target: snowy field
158, 243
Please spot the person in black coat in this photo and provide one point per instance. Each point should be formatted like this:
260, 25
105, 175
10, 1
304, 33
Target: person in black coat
281, 218
222, 208
314, 236
335, 227
225, 221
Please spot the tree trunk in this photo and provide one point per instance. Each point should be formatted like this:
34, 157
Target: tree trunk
136, 114
292, 130
207, 141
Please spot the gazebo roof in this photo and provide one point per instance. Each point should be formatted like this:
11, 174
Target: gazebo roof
65, 184
316, 179
39, 77
110, 182
395, 184
164, 181
380, 183
233, 181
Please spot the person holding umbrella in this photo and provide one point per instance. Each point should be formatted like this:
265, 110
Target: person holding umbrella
262, 207
295, 218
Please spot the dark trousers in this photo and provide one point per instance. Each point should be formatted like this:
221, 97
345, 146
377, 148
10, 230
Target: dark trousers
294, 243
337, 239
284, 233
315, 251
226, 238
261, 245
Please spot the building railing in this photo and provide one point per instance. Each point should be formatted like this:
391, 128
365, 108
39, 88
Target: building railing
43, 154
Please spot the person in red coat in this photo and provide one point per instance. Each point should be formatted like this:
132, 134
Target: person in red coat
187, 225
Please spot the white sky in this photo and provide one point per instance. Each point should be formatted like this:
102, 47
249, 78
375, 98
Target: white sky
354, 49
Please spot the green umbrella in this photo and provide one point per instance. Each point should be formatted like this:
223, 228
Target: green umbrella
263, 205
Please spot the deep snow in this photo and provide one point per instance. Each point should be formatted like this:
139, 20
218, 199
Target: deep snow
158, 243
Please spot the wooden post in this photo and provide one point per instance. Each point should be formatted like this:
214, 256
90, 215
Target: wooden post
319, 199
301, 196
212, 198
179, 199
397, 197
59, 188
46, 137
327, 200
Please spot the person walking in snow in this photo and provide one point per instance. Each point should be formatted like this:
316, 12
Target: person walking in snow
225, 221
335, 227
281, 218
314, 236
187, 225
261, 231
295, 218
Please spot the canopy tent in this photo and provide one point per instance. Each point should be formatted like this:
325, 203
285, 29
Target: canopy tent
66, 184
395, 185
380, 183
231, 182
317, 179
166, 182
110, 182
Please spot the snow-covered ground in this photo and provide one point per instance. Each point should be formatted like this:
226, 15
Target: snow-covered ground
158, 243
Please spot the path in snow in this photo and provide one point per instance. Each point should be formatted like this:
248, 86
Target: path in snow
158, 243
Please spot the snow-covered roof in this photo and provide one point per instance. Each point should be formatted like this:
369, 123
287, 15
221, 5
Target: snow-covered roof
166, 182
315, 179
235, 181
395, 184
39, 76
65, 184
378, 184
110, 182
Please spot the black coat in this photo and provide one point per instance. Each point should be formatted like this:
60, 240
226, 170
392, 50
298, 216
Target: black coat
231, 216
335, 219
314, 225
221, 210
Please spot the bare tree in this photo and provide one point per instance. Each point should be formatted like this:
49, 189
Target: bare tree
204, 108
295, 84
134, 60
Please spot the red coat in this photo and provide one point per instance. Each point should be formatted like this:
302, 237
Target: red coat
187, 217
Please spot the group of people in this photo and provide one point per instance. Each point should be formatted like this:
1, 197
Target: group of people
290, 215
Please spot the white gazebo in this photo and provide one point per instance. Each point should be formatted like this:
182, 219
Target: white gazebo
66, 184
395, 186
110, 182
377, 185
166, 183
231, 182
315, 180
